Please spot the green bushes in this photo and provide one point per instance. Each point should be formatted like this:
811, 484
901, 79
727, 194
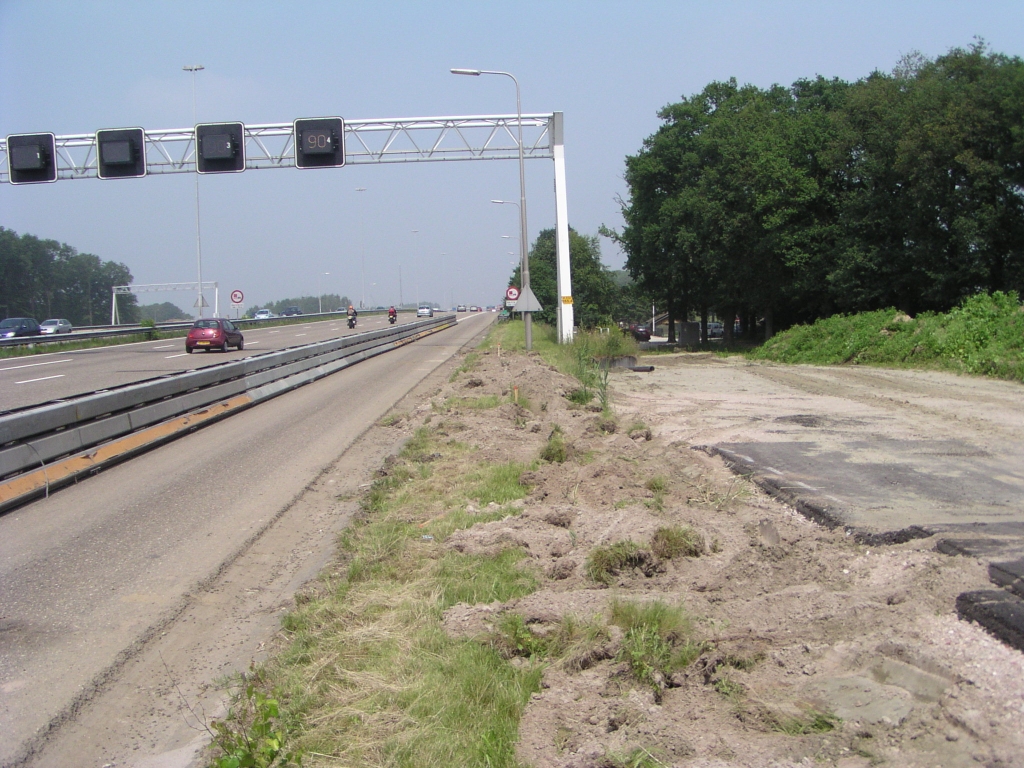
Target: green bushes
984, 335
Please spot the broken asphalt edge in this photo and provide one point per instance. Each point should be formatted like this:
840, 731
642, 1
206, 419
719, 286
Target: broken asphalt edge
998, 611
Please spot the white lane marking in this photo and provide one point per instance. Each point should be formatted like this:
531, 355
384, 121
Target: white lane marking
171, 357
165, 346
33, 365
299, 334
275, 331
252, 343
773, 470
32, 381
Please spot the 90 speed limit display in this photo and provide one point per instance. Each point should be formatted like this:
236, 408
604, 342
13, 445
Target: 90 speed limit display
319, 142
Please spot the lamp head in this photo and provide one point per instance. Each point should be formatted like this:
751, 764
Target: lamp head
474, 72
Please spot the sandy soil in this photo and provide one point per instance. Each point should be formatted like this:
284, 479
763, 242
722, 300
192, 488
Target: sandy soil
798, 619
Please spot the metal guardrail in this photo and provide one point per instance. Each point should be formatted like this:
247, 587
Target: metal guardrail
113, 331
45, 446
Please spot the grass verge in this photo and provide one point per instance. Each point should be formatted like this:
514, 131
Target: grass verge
369, 676
578, 359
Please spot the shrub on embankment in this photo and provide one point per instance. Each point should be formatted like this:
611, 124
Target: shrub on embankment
984, 335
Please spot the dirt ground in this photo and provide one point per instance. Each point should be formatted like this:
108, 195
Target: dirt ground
797, 619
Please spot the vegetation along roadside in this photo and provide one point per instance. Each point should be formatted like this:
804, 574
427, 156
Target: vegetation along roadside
537, 581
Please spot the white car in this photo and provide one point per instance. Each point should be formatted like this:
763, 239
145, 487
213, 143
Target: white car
425, 310
263, 314
55, 325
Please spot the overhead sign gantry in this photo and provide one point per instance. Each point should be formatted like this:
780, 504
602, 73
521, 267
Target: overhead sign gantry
327, 142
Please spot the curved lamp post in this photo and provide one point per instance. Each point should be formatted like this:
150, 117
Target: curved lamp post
525, 266
193, 68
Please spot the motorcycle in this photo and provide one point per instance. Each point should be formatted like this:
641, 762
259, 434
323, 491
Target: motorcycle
392, 319
351, 321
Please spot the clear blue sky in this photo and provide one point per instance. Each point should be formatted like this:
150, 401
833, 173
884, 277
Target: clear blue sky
75, 66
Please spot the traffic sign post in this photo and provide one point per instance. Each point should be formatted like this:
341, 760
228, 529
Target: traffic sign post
237, 297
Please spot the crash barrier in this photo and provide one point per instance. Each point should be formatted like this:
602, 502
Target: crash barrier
85, 332
45, 446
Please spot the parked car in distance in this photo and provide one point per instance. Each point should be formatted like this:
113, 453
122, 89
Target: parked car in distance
460, 308
639, 331
213, 333
292, 312
716, 330
55, 325
18, 326
263, 314
474, 308
425, 310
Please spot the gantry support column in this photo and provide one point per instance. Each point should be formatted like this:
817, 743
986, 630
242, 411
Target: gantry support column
564, 309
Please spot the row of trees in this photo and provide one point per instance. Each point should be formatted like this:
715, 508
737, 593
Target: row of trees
44, 278
789, 204
308, 304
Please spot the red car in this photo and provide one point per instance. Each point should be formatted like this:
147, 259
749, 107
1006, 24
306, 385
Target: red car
213, 333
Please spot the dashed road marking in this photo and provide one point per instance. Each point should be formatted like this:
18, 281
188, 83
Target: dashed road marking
32, 381
33, 365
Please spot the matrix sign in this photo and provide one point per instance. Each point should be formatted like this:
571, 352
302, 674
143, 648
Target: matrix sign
220, 147
319, 142
32, 157
122, 153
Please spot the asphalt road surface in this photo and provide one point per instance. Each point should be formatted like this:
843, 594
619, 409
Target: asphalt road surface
39, 378
123, 597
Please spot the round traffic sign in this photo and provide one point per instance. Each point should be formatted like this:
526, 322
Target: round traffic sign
512, 293
237, 297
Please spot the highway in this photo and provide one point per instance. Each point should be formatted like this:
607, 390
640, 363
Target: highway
33, 379
103, 585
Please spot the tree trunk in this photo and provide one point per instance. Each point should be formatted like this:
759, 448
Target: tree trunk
671, 309
768, 331
703, 324
727, 318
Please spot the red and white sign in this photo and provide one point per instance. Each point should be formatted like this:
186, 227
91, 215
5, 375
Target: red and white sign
237, 297
512, 293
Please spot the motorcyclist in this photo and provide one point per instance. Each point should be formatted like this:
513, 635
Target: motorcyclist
351, 316
392, 313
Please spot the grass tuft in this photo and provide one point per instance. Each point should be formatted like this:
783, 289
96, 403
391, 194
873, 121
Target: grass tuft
604, 563
677, 541
659, 639
556, 451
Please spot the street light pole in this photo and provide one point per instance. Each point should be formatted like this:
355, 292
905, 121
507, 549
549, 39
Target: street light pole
444, 280
362, 255
320, 293
193, 68
415, 274
525, 268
